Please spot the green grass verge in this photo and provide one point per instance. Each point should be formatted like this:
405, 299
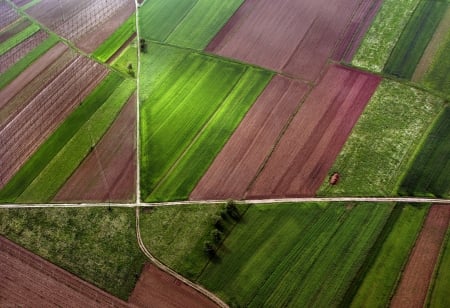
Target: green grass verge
300, 255
382, 142
428, 173
30, 4
383, 34
394, 248
53, 176
18, 38
129, 55
33, 167
95, 244
110, 46
190, 23
415, 38
439, 294
23, 63
193, 164
181, 92
175, 235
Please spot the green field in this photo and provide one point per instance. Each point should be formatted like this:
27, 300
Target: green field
97, 245
128, 56
382, 142
187, 98
300, 255
53, 145
23, 63
428, 174
380, 280
414, 39
189, 23
18, 38
383, 34
110, 46
439, 293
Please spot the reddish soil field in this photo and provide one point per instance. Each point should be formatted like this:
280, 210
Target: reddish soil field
7, 14
14, 30
240, 160
158, 289
42, 115
414, 284
20, 2
308, 31
16, 53
108, 173
30, 281
87, 23
314, 138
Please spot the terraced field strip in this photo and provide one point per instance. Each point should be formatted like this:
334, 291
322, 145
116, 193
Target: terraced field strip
429, 170
379, 280
14, 29
415, 38
190, 23
384, 139
21, 137
315, 136
58, 139
257, 269
384, 33
108, 173
241, 158
26, 277
18, 38
46, 185
415, 281
304, 29
185, 98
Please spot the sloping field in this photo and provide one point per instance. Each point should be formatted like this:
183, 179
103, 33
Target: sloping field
28, 280
307, 30
108, 173
156, 288
188, 23
186, 96
86, 23
428, 173
308, 148
415, 37
415, 281
382, 142
43, 114
14, 29
7, 14
439, 295
310, 267
240, 160
18, 38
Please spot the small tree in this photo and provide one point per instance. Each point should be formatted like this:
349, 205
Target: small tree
233, 211
218, 224
216, 236
142, 45
209, 250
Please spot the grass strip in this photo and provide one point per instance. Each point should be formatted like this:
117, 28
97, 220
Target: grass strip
18, 38
439, 294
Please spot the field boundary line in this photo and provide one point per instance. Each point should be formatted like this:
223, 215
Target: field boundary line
138, 143
171, 272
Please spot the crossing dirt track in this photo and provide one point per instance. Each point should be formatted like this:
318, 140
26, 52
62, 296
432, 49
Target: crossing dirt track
309, 36
30, 281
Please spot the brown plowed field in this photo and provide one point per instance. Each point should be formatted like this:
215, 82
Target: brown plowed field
32, 81
108, 173
307, 31
22, 135
238, 163
416, 278
29, 281
86, 23
7, 14
315, 136
14, 30
158, 289
20, 2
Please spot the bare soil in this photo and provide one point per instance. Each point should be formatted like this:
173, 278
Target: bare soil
238, 163
21, 25
307, 31
158, 289
30, 281
416, 278
314, 138
7, 14
108, 173
20, 2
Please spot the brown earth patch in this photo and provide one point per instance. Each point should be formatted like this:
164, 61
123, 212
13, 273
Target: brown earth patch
21, 25
30, 281
308, 148
307, 30
7, 14
109, 172
239, 161
158, 289
415, 281
20, 2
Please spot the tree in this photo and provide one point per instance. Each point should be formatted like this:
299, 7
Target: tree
142, 45
209, 250
216, 236
233, 211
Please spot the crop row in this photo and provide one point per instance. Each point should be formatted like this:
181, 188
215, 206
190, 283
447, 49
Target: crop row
7, 14
18, 38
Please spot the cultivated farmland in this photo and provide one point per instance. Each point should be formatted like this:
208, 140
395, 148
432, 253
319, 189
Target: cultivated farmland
438, 296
